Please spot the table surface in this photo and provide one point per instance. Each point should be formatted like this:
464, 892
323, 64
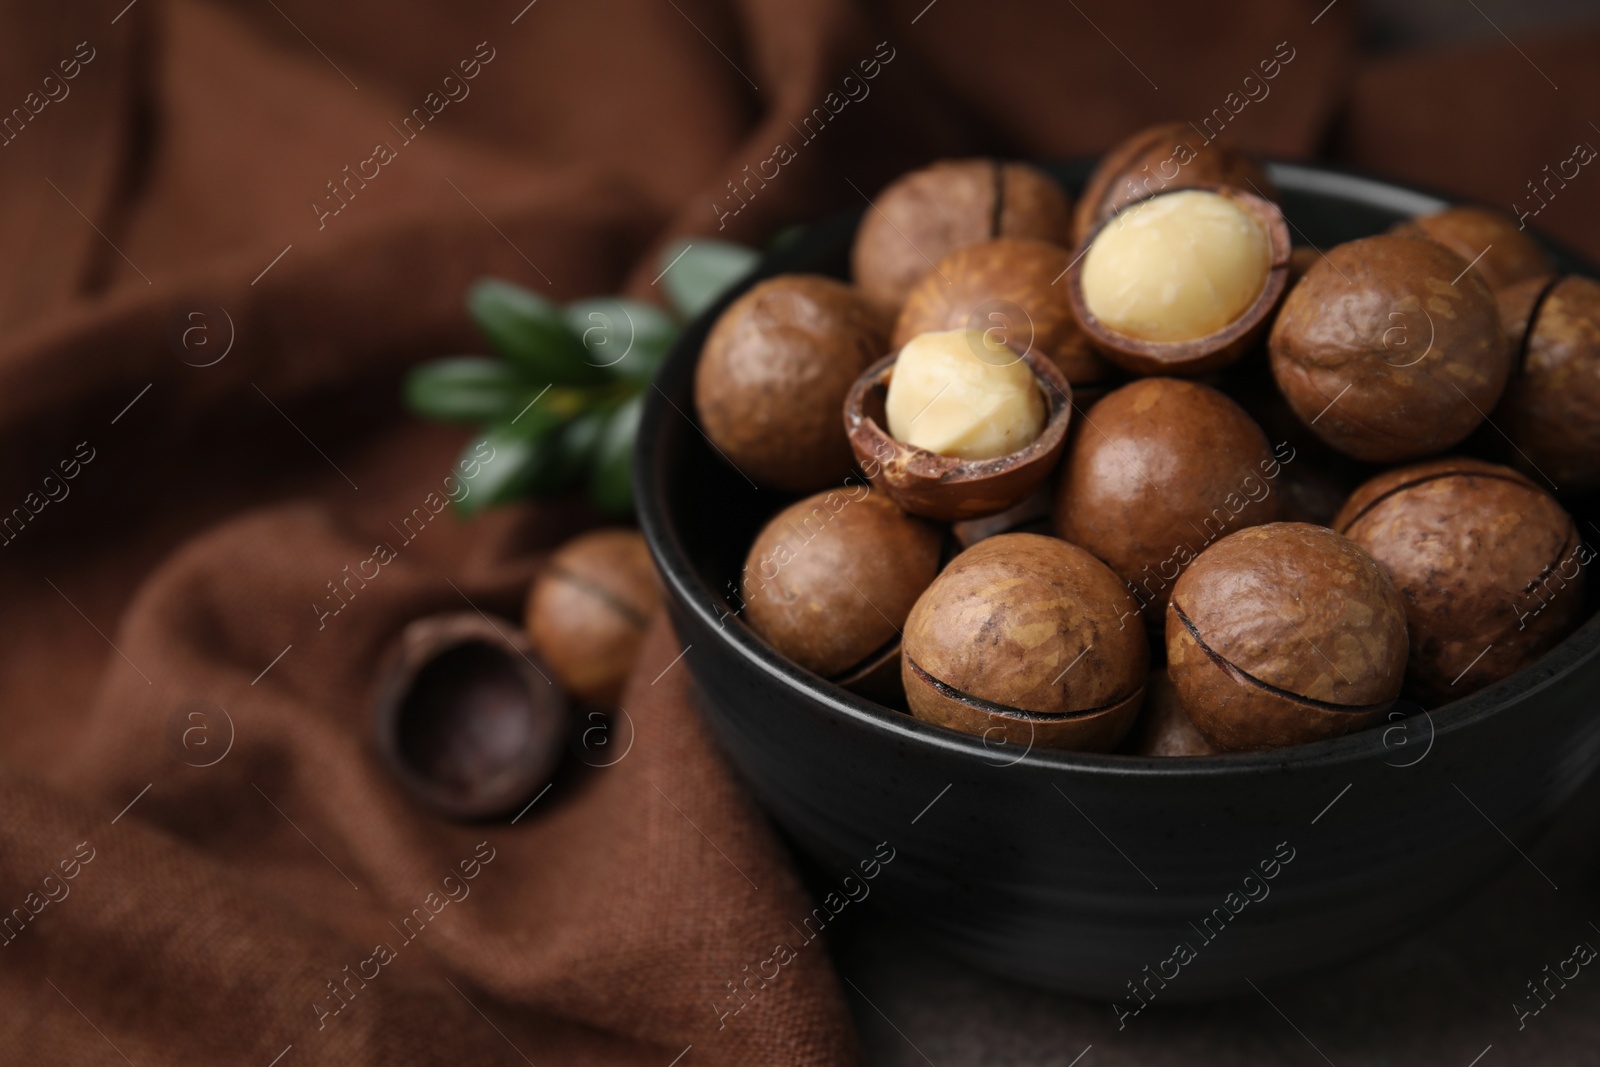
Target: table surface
1448, 995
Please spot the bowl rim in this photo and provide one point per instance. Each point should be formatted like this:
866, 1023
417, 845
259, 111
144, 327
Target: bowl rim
689, 594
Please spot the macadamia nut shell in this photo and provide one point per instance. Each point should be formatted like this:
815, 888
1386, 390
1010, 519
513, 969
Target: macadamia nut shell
1490, 567
1159, 469
1283, 634
1010, 285
1028, 639
1552, 407
1502, 254
588, 611
1390, 349
944, 487
923, 216
829, 580
774, 370
1158, 159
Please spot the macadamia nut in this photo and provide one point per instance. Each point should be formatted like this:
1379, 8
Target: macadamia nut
1283, 634
1490, 566
588, 611
1176, 267
956, 393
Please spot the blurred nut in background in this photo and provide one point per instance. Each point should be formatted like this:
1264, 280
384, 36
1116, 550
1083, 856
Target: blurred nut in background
1498, 250
1551, 409
1390, 349
922, 216
1028, 639
1170, 156
1008, 288
1283, 634
774, 373
1490, 567
588, 611
1160, 469
830, 579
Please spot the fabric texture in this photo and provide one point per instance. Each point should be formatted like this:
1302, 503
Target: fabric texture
229, 229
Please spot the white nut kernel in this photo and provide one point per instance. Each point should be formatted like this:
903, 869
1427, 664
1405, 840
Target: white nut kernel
1176, 267
959, 393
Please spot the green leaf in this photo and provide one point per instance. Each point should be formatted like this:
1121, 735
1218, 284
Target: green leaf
546, 409
564, 455
628, 338
696, 273
514, 461
466, 389
532, 332
579, 441
611, 479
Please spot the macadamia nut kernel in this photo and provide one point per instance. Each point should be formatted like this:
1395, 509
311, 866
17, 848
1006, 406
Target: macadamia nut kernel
956, 393
1176, 267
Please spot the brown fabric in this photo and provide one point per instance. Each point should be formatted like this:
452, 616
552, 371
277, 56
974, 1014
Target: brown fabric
177, 175
1482, 123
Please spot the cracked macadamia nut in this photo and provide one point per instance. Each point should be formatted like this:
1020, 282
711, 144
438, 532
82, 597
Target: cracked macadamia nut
1160, 469
1027, 640
1283, 634
923, 216
1007, 287
774, 373
1176, 267
1490, 567
1551, 409
1390, 349
1158, 159
954, 393
588, 611
951, 487
1183, 282
829, 580
1498, 250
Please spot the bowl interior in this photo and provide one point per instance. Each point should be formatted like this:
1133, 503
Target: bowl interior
700, 515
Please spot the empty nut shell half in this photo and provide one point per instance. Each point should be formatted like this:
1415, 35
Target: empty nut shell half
1026, 640
1158, 159
1283, 634
1200, 354
1490, 567
465, 720
945, 487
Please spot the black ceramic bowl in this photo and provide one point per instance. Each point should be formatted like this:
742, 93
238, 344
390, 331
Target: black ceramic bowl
1087, 872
